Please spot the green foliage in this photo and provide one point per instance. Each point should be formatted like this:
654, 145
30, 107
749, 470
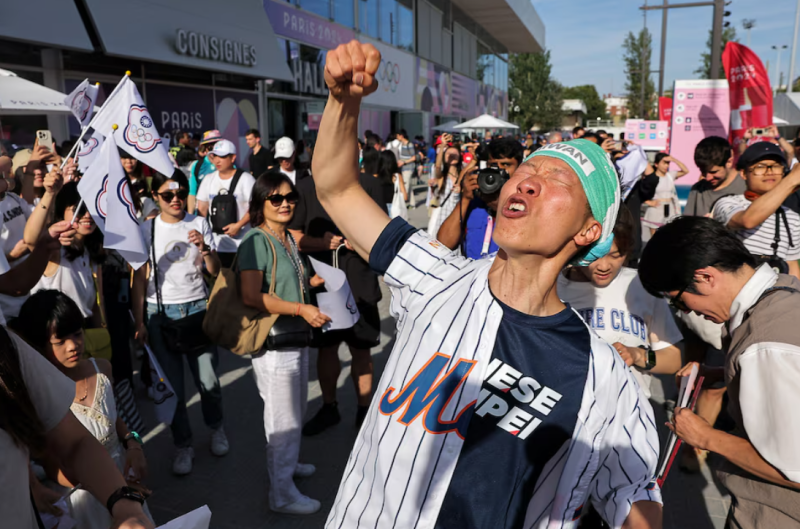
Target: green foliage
595, 107
635, 63
704, 70
535, 96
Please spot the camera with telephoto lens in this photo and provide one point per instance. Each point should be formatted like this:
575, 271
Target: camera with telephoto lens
491, 180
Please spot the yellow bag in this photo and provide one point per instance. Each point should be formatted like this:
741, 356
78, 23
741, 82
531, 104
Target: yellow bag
97, 343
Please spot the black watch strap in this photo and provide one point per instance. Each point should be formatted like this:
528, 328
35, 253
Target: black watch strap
650, 358
124, 493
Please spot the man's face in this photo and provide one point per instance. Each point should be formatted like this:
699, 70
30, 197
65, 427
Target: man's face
184, 139
604, 270
579, 133
223, 163
287, 164
252, 141
708, 300
510, 165
763, 175
542, 208
716, 175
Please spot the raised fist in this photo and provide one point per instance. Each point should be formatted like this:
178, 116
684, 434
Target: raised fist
350, 70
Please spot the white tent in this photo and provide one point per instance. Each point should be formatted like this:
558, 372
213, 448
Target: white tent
450, 126
486, 121
20, 96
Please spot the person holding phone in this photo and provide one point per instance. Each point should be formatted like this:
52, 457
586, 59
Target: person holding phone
664, 206
772, 135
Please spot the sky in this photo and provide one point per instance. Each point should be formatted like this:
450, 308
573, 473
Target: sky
585, 37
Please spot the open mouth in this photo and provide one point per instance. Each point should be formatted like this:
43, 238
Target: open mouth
515, 207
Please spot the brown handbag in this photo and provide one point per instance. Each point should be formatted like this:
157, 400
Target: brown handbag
229, 322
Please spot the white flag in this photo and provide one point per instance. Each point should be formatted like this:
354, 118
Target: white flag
163, 395
81, 102
106, 192
136, 133
88, 152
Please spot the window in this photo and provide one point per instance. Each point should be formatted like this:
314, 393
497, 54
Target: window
388, 20
368, 17
405, 25
318, 7
344, 13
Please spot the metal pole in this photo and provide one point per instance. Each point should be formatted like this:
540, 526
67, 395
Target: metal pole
716, 38
642, 66
794, 49
663, 49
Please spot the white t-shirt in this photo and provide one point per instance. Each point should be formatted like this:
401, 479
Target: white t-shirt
623, 312
73, 278
180, 265
52, 394
759, 239
291, 174
211, 187
15, 212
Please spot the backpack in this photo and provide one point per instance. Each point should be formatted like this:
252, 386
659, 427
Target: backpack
223, 210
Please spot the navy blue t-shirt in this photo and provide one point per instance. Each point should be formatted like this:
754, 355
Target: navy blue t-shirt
526, 411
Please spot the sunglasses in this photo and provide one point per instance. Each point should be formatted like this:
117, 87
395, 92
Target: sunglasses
277, 200
677, 303
167, 196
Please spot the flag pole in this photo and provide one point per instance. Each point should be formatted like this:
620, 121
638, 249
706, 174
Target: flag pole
94, 118
80, 204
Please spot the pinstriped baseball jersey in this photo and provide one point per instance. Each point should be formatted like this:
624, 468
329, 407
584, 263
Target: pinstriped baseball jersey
405, 458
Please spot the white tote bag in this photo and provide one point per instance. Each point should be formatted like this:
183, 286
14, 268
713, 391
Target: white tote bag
398, 204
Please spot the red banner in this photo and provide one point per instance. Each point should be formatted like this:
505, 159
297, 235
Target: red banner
750, 91
665, 109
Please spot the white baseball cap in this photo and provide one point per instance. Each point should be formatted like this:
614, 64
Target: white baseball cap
223, 148
284, 148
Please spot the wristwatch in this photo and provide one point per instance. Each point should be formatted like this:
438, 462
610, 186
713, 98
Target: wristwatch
124, 493
131, 435
650, 358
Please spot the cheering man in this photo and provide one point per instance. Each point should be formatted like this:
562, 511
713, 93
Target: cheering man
498, 407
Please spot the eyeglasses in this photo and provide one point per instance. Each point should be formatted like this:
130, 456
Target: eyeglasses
167, 196
677, 303
277, 200
762, 169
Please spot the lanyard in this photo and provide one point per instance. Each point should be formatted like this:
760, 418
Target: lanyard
487, 236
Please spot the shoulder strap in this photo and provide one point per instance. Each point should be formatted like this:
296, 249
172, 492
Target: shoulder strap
274, 260
153, 261
236, 176
94, 363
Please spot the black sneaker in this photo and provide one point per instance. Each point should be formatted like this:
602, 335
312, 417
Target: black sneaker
326, 417
361, 414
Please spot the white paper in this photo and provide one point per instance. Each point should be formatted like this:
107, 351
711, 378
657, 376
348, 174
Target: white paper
337, 302
684, 394
197, 519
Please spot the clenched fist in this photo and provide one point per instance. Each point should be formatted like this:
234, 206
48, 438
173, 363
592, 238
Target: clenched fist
350, 70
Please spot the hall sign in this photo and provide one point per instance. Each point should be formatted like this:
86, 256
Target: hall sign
309, 77
204, 46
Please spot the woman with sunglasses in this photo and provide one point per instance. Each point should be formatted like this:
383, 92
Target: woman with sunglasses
281, 376
180, 246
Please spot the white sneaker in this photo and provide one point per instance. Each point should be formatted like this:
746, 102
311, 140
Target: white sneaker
304, 470
183, 461
304, 505
219, 442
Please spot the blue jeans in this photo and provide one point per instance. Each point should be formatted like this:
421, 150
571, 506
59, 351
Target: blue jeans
202, 365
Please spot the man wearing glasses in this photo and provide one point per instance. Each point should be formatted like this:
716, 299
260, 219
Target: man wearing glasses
768, 230
705, 268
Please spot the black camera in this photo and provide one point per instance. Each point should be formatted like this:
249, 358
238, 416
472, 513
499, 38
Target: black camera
491, 180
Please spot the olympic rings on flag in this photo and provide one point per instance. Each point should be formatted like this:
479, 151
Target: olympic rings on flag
389, 72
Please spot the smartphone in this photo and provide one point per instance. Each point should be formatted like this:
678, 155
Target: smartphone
760, 132
666, 211
45, 139
617, 145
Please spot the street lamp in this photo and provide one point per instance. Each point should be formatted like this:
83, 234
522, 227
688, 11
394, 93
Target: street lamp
748, 24
778, 69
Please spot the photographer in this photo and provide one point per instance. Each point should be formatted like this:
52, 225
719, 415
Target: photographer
768, 230
472, 221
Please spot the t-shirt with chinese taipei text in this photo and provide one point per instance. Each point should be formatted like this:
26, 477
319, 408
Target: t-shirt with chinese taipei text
15, 213
759, 240
180, 265
624, 312
488, 418
211, 186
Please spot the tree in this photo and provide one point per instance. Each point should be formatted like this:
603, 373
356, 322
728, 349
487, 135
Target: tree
595, 107
536, 96
704, 70
635, 62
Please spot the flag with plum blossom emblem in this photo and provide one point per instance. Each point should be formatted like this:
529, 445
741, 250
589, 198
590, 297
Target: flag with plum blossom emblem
81, 102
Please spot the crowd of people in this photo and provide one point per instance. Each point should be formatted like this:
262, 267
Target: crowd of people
556, 276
